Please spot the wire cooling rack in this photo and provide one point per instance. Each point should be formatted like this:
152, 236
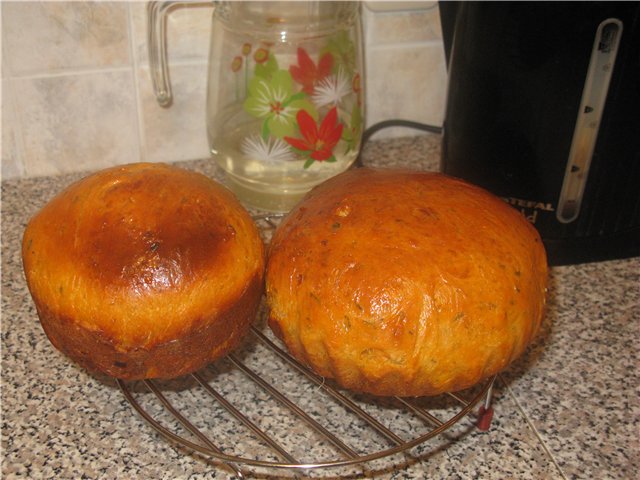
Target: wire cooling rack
259, 407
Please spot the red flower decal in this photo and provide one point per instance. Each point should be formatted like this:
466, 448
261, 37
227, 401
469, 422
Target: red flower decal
319, 142
307, 74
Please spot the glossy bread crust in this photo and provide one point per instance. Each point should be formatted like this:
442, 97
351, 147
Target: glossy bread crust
144, 271
405, 283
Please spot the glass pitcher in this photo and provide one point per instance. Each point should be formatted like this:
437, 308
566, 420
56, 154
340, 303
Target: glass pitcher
285, 98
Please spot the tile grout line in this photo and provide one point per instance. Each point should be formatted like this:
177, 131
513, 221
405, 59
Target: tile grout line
532, 427
98, 70
414, 44
67, 73
9, 102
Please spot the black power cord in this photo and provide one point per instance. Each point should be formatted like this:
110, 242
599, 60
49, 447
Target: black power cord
376, 127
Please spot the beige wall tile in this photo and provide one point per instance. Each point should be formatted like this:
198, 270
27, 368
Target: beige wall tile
406, 71
43, 37
188, 29
403, 27
407, 83
178, 132
77, 122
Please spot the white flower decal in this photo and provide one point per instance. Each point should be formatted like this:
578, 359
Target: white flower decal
332, 89
272, 150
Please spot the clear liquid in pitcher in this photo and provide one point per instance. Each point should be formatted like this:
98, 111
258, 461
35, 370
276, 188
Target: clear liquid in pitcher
267, 174
288, 118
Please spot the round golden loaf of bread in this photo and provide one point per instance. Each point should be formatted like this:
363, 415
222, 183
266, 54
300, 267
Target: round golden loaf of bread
396, 282
144, 271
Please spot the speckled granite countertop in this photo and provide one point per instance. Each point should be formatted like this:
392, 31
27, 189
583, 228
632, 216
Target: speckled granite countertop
569, 408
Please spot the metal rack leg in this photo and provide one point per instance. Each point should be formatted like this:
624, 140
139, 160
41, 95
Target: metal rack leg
485, 414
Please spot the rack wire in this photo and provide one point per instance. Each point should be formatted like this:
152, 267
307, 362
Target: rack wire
259, 407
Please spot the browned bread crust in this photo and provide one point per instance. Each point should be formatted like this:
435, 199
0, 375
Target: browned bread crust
405, 283
144, 271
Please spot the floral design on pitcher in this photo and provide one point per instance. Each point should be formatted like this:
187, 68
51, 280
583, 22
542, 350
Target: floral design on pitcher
352, 133
332, 89
271, 150
318, 142
307, 73
343, 51
309, 111
274, 101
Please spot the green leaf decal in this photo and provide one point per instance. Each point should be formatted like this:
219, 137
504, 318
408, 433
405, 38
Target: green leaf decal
268, 68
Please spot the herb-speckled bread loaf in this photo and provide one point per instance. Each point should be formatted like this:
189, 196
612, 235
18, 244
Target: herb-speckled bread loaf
405, 283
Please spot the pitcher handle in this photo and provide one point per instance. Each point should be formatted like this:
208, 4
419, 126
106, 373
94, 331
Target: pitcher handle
157, 45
